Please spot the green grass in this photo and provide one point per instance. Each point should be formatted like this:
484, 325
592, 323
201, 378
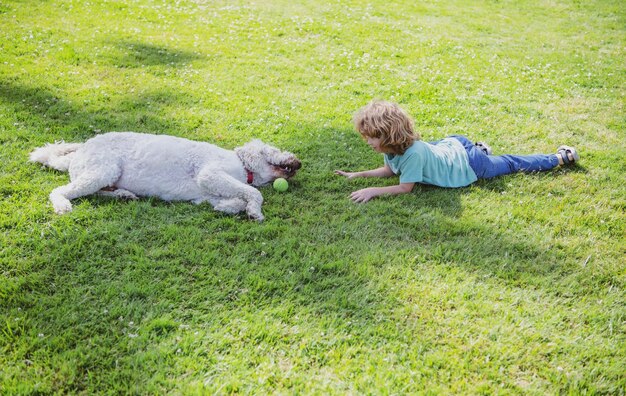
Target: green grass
511, 286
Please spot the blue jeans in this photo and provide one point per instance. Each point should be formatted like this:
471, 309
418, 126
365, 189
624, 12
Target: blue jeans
488, 166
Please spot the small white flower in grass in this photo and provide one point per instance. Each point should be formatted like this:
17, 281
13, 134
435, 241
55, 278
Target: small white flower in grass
40, 335
132, 335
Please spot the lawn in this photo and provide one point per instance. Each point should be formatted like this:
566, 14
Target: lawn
514, 285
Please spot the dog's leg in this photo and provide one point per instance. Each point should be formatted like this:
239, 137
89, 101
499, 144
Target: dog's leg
229, 205
84, 184
220, 184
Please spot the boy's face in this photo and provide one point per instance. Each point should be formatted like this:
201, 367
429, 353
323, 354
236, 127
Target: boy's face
374, 143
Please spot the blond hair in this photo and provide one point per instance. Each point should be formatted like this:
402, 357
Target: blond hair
388, 122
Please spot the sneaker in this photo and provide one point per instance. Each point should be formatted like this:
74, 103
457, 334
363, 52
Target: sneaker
484, 147
568, 154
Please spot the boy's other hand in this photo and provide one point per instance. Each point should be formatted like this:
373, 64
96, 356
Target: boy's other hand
364, 195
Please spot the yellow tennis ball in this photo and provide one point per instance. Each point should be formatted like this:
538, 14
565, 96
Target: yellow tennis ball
281, 184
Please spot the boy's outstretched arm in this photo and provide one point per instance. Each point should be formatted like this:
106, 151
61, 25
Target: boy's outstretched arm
364, 195
384, 171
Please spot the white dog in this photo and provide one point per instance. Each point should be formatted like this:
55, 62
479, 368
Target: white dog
128, 165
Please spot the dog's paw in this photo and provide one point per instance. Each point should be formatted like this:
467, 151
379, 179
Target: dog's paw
62, 207
253, 210
256, 216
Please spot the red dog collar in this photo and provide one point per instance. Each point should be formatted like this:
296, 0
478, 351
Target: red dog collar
250, 176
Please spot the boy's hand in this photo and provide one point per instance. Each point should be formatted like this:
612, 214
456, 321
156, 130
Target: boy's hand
364, 195
349, 175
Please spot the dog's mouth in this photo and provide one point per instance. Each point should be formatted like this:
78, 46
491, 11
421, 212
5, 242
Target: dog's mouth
288, 169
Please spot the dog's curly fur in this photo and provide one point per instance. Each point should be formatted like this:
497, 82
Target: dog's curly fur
131, 165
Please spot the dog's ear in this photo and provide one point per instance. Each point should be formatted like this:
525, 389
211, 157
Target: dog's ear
252, 154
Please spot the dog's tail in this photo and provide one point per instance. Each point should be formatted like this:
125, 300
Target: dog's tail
55, 155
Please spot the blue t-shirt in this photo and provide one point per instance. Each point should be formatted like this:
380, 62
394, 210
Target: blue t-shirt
443, 164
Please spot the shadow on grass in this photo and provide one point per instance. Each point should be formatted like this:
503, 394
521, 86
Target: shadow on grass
42, 108
137, 54
47, 116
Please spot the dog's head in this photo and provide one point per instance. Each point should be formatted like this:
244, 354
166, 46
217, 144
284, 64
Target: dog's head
267, 163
